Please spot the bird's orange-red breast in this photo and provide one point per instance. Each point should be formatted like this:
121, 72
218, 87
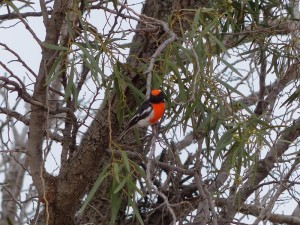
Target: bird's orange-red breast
158, 106
158, 112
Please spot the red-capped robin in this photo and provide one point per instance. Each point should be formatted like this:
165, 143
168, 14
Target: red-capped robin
149, 113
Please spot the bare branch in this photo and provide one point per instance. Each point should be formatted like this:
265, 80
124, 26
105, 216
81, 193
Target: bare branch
21, 89
185, 142
255, 211
25, 23
14, 114
19, 59
11, 16
283, 185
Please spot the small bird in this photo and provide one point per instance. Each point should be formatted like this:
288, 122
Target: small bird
149, 112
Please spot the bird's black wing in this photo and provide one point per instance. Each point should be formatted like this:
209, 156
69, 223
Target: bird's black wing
144, 111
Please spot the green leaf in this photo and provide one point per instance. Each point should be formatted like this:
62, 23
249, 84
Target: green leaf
209, 27
94, 65
75, 95
138, 190
135, 211
53, 74
97, 184
220, 44
261, 137
54, 47
187, 115
116, 172
226, 85
229, 66
138, 169
70, 84
225, 140
115, 207
295, 95
125, 159
9, 222
121, 185
244, 106
136, 92
196, 19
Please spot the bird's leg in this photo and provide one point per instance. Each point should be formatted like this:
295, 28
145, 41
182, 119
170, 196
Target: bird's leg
154, 128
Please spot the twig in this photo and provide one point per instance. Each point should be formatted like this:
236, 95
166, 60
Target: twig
13, 151
211, 205
281, 188
23, 119
15, 115
172, 38
36, 215
12, 75
261, 171
262, 81
19, 59
23, 15
149, 180
14, 199
11, 4
14, 86
148, 72
204, 205
123, 15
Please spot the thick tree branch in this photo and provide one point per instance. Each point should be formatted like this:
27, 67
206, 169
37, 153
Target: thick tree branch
255, 211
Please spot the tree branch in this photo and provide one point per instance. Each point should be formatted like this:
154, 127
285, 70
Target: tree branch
19, 59
11, 16
14, 114
255, 211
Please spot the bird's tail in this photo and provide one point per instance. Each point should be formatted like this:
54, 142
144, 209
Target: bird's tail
123, 133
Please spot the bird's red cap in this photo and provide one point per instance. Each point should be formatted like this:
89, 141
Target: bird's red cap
155, 92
